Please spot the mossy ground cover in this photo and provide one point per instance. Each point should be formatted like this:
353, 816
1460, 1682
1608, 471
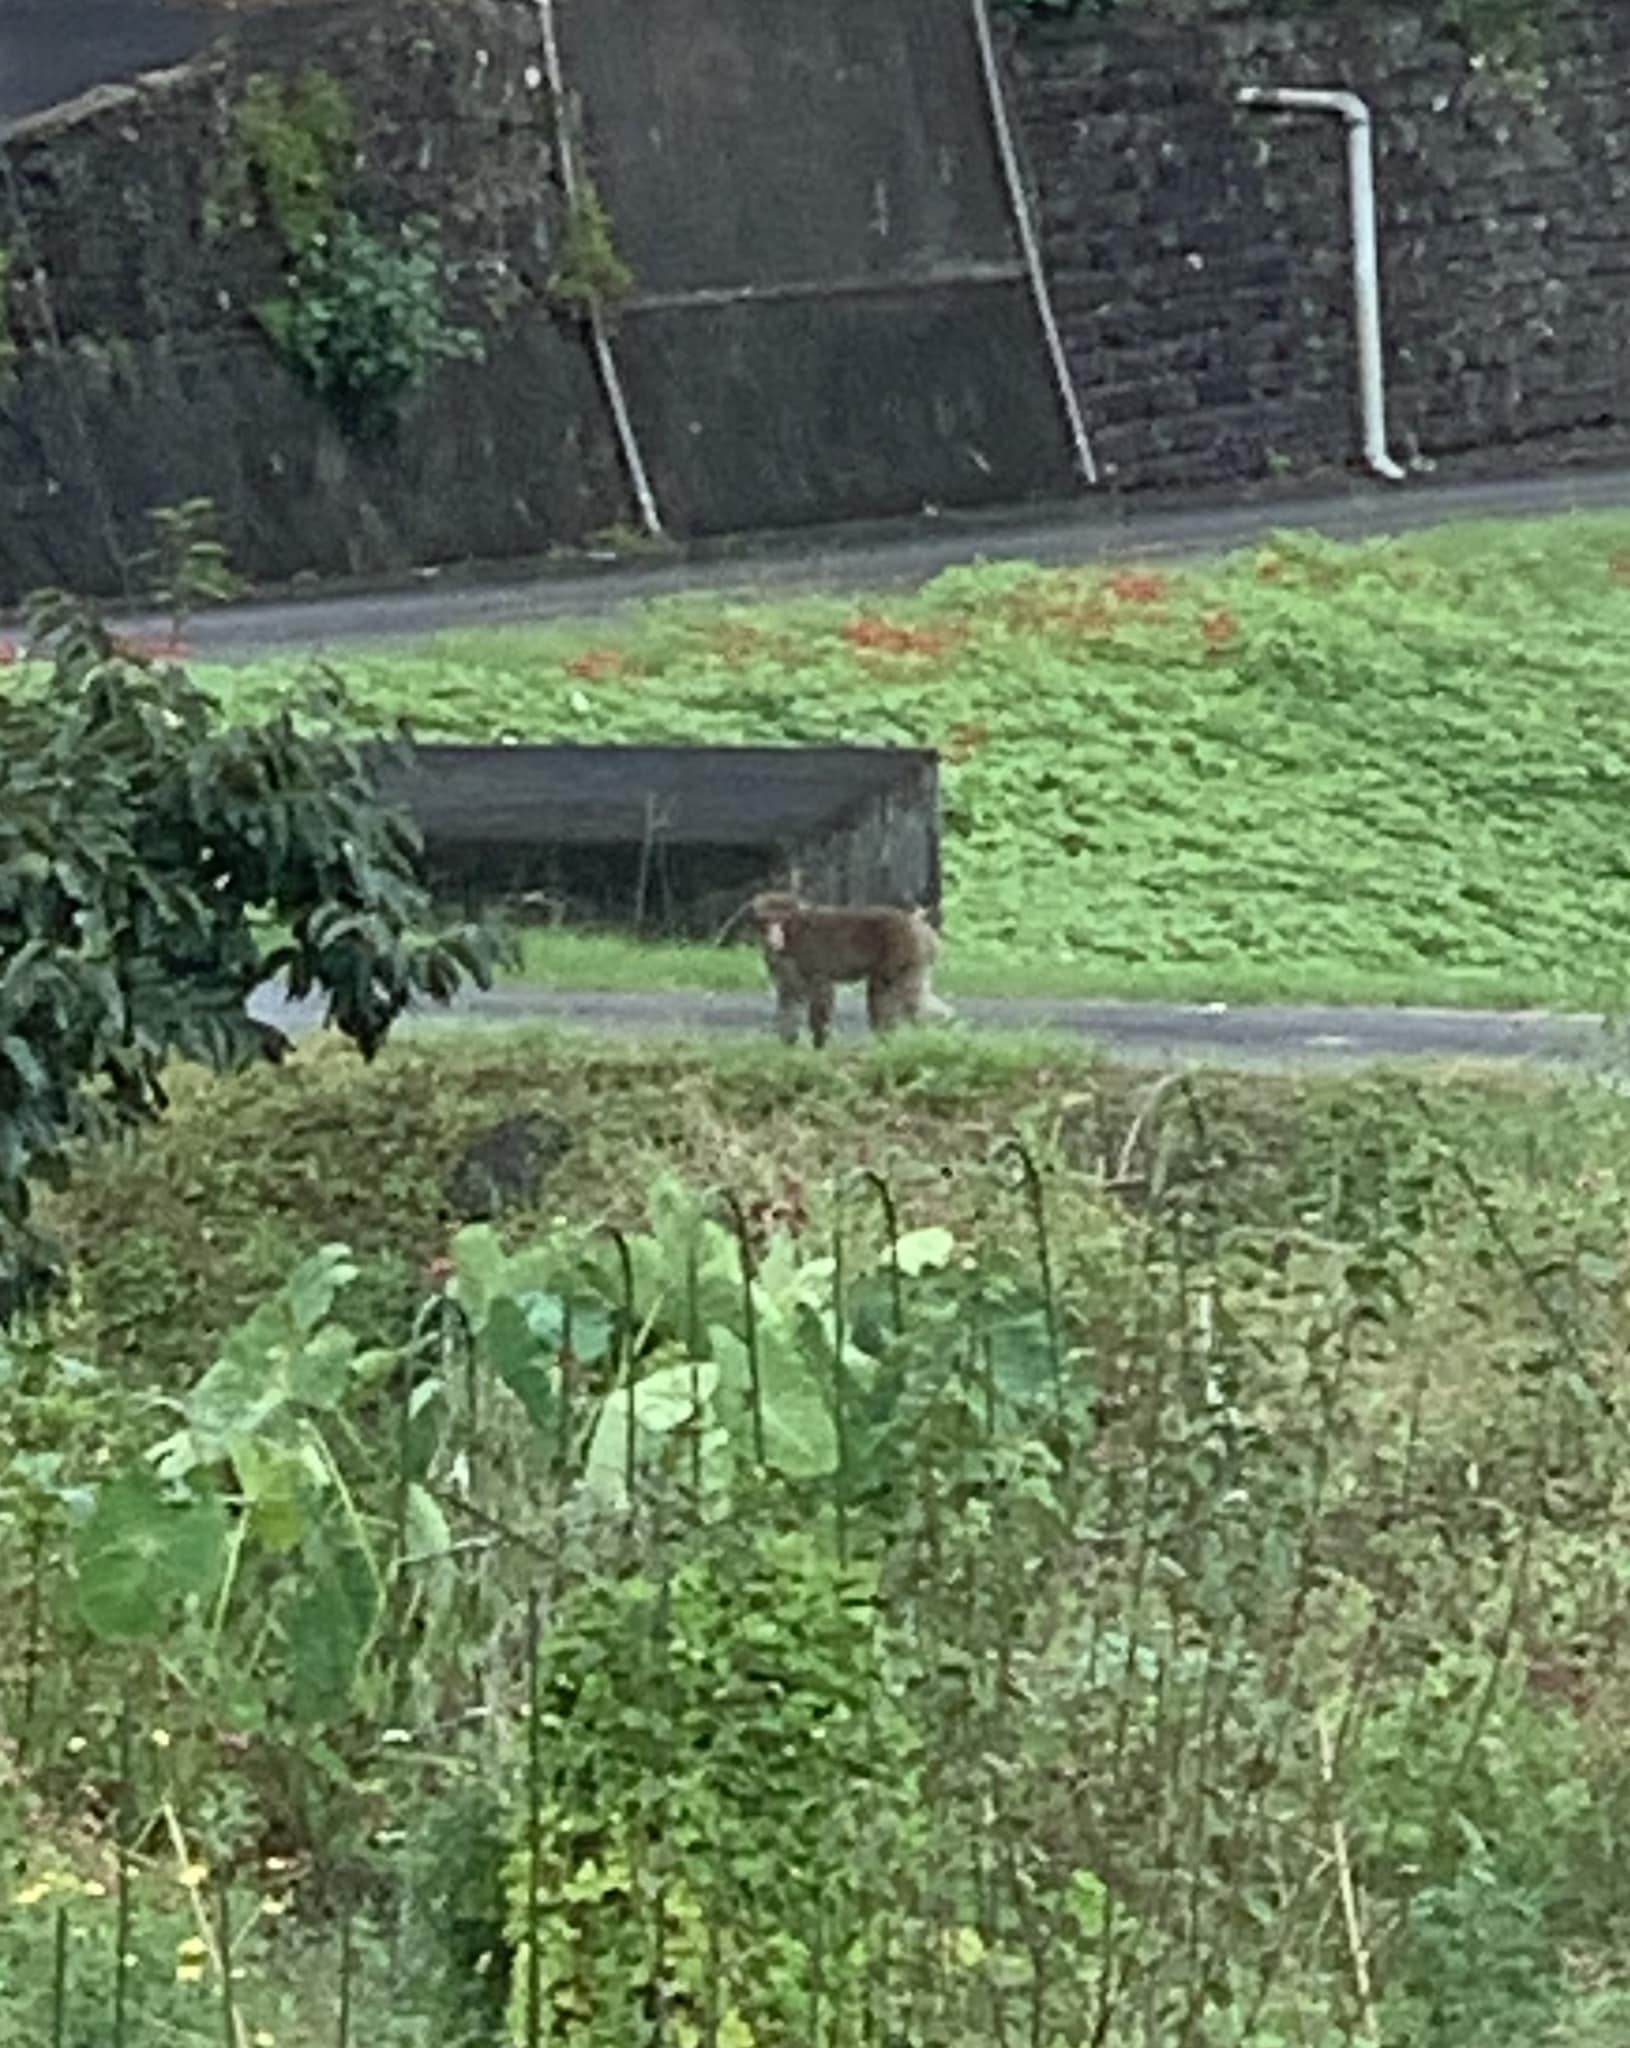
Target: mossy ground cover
1388, 771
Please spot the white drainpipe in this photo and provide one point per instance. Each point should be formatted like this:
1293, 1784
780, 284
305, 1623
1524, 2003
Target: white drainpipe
1366, 276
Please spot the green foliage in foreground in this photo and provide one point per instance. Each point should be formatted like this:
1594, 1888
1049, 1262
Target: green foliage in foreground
1196, 1623
141, 838
1395, 770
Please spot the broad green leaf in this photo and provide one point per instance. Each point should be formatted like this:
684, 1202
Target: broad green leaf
428, 1536
479, 1265
236, 1398
777, 1271
552, 1317
279, 1523
538, 1269
523, 1361
330, 1623
179, 1455
671, 1396
545, 1316
662, 1402
140, 1552
1021, 1356
918, 1251
314, 1285
277, 1484
1087, 1898
605, 1467
800, 1437
592, 1331
320, 1372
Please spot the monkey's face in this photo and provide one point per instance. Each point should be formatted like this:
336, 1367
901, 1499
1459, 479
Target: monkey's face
772, 910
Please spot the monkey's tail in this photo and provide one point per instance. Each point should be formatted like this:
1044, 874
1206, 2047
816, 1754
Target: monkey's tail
732, 921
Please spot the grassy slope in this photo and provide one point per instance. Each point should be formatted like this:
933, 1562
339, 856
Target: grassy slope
1390, 771
252, 1173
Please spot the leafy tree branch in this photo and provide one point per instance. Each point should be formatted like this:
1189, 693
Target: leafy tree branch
145, 849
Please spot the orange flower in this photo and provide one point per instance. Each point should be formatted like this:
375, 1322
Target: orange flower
1221, 629
963, 740
883, 636
1133, 586
599, 665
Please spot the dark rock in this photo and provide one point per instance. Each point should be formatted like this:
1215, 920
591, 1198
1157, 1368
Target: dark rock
505, 1167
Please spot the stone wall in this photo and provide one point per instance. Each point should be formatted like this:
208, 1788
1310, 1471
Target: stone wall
1199, 252
144, 376
828, 319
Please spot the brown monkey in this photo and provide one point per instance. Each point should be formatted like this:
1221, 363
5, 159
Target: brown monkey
810, 950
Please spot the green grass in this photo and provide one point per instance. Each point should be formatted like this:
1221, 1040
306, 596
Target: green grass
1389, 771
253, 1171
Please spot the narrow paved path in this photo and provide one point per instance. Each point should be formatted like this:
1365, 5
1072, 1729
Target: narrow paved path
899, 553
1145, 1033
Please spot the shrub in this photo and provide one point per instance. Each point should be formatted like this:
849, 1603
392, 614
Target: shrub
364, 319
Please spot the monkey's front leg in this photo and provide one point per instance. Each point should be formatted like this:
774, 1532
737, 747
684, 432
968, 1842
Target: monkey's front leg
791, 996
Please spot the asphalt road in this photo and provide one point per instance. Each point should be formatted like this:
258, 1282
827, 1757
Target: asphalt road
902, 553
1151, 1034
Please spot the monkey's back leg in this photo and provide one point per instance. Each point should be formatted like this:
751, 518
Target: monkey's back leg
822, 1002
894, 998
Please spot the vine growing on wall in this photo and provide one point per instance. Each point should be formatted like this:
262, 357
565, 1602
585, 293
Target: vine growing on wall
592, 275
363, 316
290, 148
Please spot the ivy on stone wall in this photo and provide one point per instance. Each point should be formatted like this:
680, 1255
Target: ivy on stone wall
363, 315
363, 318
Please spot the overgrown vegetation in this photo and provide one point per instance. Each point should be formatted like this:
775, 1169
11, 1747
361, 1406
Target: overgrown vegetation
1159, 1584
1391, 771
364, 316
287, 160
